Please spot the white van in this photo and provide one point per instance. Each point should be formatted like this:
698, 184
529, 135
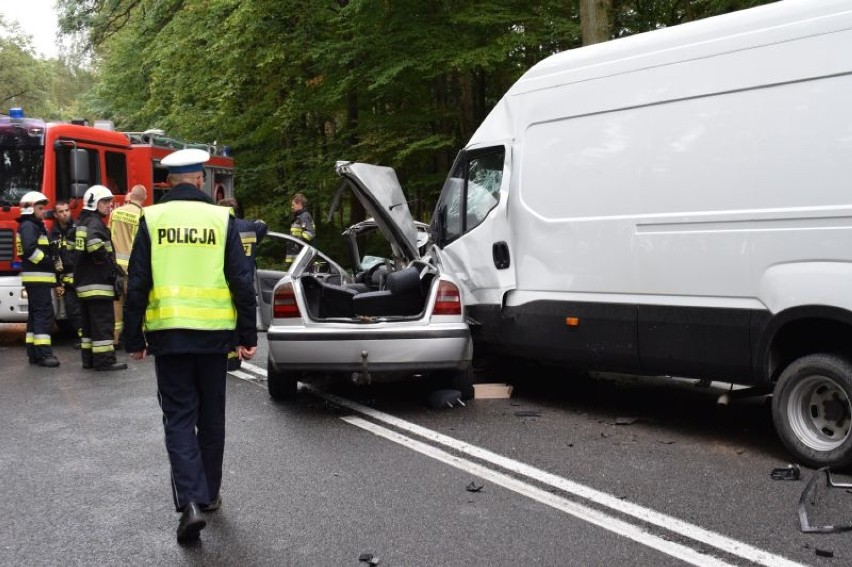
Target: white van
676, 203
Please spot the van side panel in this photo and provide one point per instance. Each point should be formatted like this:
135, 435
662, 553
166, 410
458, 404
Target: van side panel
633, 186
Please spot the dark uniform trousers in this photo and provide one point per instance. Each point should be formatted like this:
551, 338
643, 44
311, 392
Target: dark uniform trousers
96, 345
191, 390
72, 308
39, 321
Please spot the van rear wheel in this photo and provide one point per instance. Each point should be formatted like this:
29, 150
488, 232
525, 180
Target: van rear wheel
282, 386
812, 410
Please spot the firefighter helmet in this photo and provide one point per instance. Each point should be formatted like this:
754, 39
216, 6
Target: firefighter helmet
95, 194
30, 199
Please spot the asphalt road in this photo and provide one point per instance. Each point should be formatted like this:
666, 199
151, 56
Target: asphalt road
585, 471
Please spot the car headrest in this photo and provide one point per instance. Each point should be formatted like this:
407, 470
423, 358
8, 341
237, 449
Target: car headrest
403, 280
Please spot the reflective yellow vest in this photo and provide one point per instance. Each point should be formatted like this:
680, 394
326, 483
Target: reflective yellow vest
123, 223
187, 264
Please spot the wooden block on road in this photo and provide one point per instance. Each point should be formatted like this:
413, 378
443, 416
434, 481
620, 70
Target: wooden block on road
492, 391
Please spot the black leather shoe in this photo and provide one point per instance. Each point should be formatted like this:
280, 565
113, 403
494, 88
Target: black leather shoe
48, 362
113, 366
214, 505
191, 523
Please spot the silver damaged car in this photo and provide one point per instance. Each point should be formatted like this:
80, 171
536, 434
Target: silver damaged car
395, 317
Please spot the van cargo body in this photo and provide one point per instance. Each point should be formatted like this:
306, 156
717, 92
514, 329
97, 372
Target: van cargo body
677, 202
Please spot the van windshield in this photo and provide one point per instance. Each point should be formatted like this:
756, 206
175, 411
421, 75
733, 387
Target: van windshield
20, 172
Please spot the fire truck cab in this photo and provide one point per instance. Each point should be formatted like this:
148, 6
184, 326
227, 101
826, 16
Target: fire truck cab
63, 160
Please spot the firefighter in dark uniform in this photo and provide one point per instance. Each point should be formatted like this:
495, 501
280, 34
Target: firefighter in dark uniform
190, 286
62, 241
251, 233
302, 227
94, 279
38, 274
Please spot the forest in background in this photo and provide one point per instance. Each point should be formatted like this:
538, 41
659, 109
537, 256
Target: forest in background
295, 85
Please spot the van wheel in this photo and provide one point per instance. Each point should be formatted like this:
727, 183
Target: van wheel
282, 386
812, 410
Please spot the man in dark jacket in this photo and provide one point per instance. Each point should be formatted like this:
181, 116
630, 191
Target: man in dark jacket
62, 241
94, 279
190, 285
38, 274
251, 233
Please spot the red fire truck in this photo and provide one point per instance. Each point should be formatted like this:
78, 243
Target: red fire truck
63, 160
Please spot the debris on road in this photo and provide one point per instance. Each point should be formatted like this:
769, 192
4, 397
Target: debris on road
528, 413
823, 552
369, 558
444, 399
473, 487
492, 391
790, 472
626, 420
809, 497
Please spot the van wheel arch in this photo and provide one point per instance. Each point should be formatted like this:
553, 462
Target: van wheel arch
799, 331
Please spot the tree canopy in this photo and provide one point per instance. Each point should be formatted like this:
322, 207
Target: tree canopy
295, 85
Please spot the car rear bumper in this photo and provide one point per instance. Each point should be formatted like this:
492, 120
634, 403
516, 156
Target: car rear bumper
374, 350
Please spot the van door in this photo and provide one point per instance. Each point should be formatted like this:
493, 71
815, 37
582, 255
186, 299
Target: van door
471, 231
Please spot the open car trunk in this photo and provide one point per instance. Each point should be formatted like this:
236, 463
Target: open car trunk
404, 295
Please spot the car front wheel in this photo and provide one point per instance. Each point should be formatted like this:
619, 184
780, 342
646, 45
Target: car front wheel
812, 410
282, 385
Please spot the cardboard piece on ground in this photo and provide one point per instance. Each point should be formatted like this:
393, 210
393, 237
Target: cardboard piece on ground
492, 391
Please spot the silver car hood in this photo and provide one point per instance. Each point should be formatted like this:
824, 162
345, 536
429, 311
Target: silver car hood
378, 189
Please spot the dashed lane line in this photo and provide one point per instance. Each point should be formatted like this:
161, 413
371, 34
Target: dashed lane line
670, 523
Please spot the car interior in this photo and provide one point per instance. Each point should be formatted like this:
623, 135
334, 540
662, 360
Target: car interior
400, 293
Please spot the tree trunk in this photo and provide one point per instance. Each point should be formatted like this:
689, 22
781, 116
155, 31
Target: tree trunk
594, 20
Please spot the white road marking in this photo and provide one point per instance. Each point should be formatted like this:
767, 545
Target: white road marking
670, 523
242, 375
256, 369
625, 529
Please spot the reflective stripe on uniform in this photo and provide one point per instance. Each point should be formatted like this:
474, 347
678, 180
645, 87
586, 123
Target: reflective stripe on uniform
122, 260
30, 338
36, 257
102, 346
95, 290
38, 277
41, 340
94, 244
85, 343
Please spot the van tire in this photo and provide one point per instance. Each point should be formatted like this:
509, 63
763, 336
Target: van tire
282, 386
812, 410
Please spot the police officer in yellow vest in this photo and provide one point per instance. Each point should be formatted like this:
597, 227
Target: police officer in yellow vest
38, 274
123, 223
191, 288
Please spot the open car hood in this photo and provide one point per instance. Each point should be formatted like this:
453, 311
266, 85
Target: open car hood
378, 189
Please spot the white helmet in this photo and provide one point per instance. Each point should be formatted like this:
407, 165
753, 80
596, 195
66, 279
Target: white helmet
94, 194
29, 200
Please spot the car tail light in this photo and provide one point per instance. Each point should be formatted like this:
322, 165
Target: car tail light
448, 300
284, 303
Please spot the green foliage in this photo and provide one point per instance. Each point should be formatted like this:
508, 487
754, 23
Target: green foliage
295, 85
50, 89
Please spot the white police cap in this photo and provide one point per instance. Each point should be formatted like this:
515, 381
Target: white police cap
186, 161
